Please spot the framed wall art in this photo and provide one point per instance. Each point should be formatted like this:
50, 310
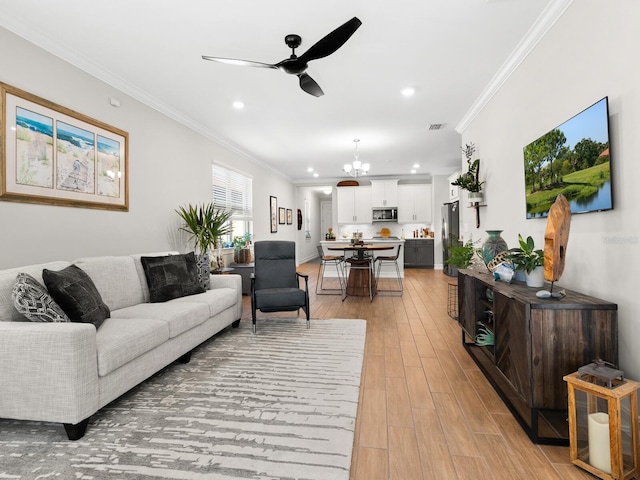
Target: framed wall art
55, 156
289, 216
273, 207
281, 216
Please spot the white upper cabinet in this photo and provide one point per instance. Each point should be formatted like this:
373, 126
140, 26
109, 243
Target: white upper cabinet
354, 205
384, 193
414, 204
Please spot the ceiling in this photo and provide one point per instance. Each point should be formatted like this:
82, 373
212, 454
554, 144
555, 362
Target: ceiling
447, 50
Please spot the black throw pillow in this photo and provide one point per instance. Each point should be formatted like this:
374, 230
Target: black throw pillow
171, 276
76, 294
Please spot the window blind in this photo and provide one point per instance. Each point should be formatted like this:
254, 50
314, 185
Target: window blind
232, 191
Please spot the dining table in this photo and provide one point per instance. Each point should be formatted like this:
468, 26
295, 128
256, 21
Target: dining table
361, 281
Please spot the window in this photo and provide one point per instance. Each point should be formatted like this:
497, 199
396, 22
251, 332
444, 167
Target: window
233, 191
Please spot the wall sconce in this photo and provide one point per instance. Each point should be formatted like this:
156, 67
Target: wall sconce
603, 422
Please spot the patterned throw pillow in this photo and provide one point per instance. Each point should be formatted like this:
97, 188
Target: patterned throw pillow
76, 293
32, 300
171, 276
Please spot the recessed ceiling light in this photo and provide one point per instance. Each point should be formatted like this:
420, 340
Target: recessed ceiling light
315, 174
310, 169
238, 104
413, 171
407, 92
416, 165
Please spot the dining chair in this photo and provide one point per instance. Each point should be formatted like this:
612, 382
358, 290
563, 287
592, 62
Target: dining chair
389, 260
360, 264
338, 262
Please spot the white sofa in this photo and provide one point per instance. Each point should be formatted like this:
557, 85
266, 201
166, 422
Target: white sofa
65, 372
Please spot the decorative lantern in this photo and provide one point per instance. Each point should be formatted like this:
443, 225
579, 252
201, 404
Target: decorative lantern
603, 421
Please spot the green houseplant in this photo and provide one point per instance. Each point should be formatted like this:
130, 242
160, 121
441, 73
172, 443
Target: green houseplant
205, 224
241, 249
461, 254
526, 258
469, 180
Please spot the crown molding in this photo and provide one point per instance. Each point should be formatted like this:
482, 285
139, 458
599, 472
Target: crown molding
549, 16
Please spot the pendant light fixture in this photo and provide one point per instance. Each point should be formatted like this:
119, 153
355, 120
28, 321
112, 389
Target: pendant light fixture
356, 168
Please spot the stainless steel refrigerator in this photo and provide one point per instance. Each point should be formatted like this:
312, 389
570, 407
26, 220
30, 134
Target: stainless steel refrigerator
450, 234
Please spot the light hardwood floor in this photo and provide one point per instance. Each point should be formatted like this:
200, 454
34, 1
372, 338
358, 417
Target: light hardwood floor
426, 411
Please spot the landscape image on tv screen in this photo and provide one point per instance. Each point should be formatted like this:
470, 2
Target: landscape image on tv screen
572, 159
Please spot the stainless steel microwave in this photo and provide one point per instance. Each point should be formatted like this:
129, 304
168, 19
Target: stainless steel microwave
384, 215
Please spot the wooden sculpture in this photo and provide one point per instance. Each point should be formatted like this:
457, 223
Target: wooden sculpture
556, 237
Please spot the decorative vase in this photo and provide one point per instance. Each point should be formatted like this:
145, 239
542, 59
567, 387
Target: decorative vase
202, 262
493, 245
535, 278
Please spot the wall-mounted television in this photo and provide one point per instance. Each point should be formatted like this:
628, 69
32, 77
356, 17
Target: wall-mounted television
572, 159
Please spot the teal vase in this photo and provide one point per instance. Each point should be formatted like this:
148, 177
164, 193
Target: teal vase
493, 245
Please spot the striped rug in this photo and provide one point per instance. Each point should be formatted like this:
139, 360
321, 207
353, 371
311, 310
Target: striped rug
280, 404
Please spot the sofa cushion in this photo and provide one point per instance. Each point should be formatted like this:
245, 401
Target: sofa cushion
8, 279
217, 300
171, 276
32, 300
121, 340
76, 293
141, 275
180, 317
116, 278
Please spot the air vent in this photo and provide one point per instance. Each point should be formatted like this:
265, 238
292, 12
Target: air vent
435, 126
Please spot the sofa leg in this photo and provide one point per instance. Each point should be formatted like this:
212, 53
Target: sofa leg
236, 324
254, 327
76, 431
186, 358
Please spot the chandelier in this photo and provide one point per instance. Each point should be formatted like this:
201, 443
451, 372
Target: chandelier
356, 168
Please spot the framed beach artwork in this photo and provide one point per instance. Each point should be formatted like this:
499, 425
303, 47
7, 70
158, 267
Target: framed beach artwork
273, 207
289, 216
55, 156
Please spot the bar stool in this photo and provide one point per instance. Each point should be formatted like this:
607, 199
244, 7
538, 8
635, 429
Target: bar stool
356, 281
390, 260
338, 261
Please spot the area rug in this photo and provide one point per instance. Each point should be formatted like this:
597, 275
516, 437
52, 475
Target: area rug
280, 404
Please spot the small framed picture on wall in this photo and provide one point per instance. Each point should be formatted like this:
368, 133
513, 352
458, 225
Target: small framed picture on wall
289, 216
281, 215
273, 207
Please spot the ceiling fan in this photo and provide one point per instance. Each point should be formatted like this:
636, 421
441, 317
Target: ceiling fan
298, 65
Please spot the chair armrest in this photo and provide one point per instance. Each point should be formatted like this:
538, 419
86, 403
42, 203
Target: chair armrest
306, 279
48, 371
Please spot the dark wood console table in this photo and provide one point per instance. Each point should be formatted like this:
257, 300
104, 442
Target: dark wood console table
537, 342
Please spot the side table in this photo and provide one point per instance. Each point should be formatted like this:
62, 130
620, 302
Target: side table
245, 270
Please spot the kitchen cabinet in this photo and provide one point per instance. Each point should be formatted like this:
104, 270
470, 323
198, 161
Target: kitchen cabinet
384, 193
354, 205
418, 253
414, 203
536, 342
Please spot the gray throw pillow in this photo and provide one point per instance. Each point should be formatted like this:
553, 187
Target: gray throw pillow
76, 293
171, 276
32, 300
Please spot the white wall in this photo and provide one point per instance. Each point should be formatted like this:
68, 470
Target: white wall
306, 246
590, 52
170, 165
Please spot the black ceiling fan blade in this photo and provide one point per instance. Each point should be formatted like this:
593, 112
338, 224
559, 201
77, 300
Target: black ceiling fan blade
309, 85
235, 61
332, 41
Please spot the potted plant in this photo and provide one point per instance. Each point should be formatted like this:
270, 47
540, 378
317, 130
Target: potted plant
527, 259
461, 254
469, 180
241, 249
205, 224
